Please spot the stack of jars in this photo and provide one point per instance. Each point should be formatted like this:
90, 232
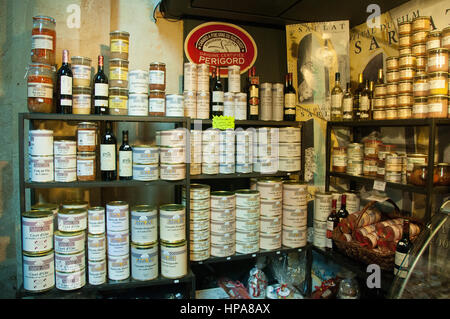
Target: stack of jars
271, 214
86, 147
289, 149
266, 102
244, 150
40, 155
227, 150
322, 209
96, 245
138, 82
41, 75
210, 151
295, 213
196, 90
145, 163
199, 230
355, 158
394, 168
81, 90
370, 164
247, 221
172, 154
118, 73
196, 152
383, 151
266, 150
223, 223
157, 89
65, 153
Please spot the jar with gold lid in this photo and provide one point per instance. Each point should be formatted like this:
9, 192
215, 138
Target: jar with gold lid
420, 108
405, 112
437, 60
119, 44
391, 63
392, 76
118, 73
445, 38
421, 86
406, 74
118, 101
407, 60
421, 23
419, 49
437, 106
433, 40
419, 37
404, 27
421, 63
404, 40
405, 87
438, 83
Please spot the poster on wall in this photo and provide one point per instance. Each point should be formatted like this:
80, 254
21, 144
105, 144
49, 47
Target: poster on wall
221, 44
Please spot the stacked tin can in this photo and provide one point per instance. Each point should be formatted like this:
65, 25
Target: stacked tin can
247, 221
145, 162
266, 102
355, 159
395, 168
370, 164
118, 72
195, 85
266, 150
199, 230
271, 211
118, 240
70, 255
244, 150
210, 151
383, 151
40, 155
96, 245
227, 152
277, 101
65, 154
138, 87
289, 149
223, 223
172, 145
86, 151
144, 242
37, 250
157, 89
229, 104
295, 211
322, 208
196, 152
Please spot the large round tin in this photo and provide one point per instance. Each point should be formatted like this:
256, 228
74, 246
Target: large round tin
198, 191
295, 193
223, 250
38, 271
270, 241
70, 281
118, 242
117, 216
247, 212
145, 154
294, 237
145, 172
295, 216
271, 207
173, 260
37, 231
247, 224
173, 172
118, 267
69, 243
172, 223
40, 142
144, 224
70, 262
322, 206
270, 224
270, 189
144, 262
247, 198
223, 199
72, 220
172, 155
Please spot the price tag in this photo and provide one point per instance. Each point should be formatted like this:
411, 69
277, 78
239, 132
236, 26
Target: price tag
223, 122
278, 252
176, 281
228, 258
379, 185
253, 255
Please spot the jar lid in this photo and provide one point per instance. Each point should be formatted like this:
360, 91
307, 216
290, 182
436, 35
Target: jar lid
438, 96
443, 164
82, 89
158, 63
82, 58
46, 18
118, 32
404, 22
392, 57
407, 68
438, 50
39, 65
88, 123
435, 33
119, 60
86, 154
438, 73
122, 90
407, 55
391, 71
421, 75
420, 99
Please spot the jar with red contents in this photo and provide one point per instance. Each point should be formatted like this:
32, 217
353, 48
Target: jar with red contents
40, 78
43, 40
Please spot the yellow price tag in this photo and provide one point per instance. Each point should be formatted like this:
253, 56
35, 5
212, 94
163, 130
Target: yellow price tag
223, 122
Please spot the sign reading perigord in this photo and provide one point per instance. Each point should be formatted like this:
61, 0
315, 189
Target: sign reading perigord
221, 44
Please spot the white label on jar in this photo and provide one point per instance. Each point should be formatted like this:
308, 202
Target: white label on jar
420, 108
82, 101
339, 160
421, 86
37, 234
431, 44
156, 105
436, 61
40, 90
336, 100
66, 85
40, 41
437, 84
81, 72
85, 167
86, 137
435, 107
125, 163
101, 89
107, 157
156, 77
445, 41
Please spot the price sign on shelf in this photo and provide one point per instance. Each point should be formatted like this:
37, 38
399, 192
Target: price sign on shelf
223, 122
379, 185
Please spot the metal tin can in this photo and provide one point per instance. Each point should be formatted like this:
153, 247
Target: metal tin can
118, 267
198, 224
41, 168
64, 147
199, 245
190, 76
294, 237
172, 155
38, 271
247, 212
138, 82
117, 216
270, 189
198, 191
199, 255
271, 207
70, 262
144, 261
37, 231
320, 237
222, 226
223, 199
138, 104
289, 164
96, 272
199, 234
289, 135
289, 149
174, 137
145, 172
270, 241
295, 193
174, 105
270, 224
248, 224
196, 168
54, 208
75, 204
353, 202
144, 224
190, 104
65, 175
96, 247
247, 247
322, 206
247, 198
227, 168
223, 250
40, 142
70, 281
173, 172
72, 220
199, 214
69, 243
203, 77
173, 260
145, 154
222, 214
172, 223
295, 216
96, 220
118, 242
223, 238
210, 168
234, 78
247, 236
244, 168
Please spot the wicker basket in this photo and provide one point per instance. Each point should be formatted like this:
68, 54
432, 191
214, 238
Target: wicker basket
380, 256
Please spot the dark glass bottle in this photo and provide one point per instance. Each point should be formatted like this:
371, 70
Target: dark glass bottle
64, 86
403, 248
290, 96
343, 212
216, 93
101, 89
253, 96
125, 158
332, 222
108, 149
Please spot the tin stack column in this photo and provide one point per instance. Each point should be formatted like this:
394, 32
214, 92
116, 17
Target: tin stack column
244, 150
223, 223
227, 152
271, 192
295, 212
210, 151
96, 245
196, 152
322, 208
266, 150
289, 149
247, 221
40, 156
138, 85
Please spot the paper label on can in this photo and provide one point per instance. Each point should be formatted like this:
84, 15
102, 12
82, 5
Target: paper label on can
156, 77
40, 90
40, 41
37, 234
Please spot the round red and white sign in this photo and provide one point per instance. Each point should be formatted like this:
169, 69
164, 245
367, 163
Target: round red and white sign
221, 44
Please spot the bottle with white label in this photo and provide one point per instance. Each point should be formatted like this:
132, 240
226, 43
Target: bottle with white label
125, 158
101, 89
402, 250
290, 96
347, 104
216, 94
336, 99
108, 155
364, 102
64, 85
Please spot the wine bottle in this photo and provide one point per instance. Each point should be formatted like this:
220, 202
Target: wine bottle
64, 86
253, 96
343, 212
364, 102
380, 78
332, 222
125, 158
336, 99
347, 104
100, 89
356, 96
216, 94
290, 96
108, 154
402, 250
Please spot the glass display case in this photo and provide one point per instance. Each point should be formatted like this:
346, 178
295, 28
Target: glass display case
429, 268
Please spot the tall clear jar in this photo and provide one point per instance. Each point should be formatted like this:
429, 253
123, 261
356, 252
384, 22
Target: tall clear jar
118, 101
119, 44
40, 78
118, 73
43, 40
81, 69
81, 100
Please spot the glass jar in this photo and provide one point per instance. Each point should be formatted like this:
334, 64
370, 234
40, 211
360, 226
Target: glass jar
391, 89
118, 73
370, 166
119, 44
348, 286
392, 76
407, 60
81, 70
86, 137
442, 171
379, 103
405, 112
339, 159
438, 83
157, 103
404, 50
406, 74
81, 100
371, 147
437, 60
421, 23
421, 86
420, 108
419, 49
157, 76
421, 63
445, 38
379, 114
391, 63
391, 101
405, 99
404, 40
118, 101
391, 114
379, 90
418, 175
437, 106
40, 88
405, 87
404, 27
433, 40
86, 166
43, 40
419, 37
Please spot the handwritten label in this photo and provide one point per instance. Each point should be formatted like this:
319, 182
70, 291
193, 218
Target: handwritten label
379, 185
223, 122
